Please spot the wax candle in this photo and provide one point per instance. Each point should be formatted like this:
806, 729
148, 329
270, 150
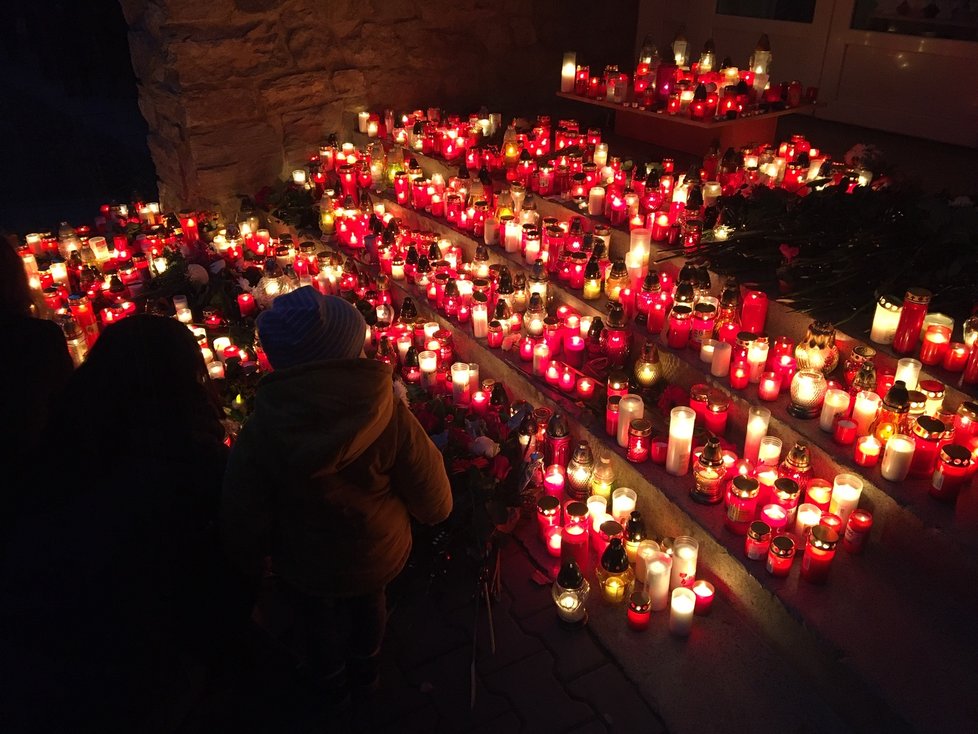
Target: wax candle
867, 451
681, 421
585, 387
846, 490
885, 320
480, 401
659, 572
753, 312
595, 202
541, 359
460, 382
215, 370
574, 538
553, 480
956, 357
808, 516
639, 611
953, 473
780, 555
769, 452
857, 531
770, 386
915, 304
937, 340
757, 423
428, 361
568, 71
758, 540
836, 405
480, 320
705, 592
757, 359
908, 370
685, 551
623, 501
775, 516
819, 493
246, 304
681, 612
864, 411
819, 552
720, 366
646, 551
808, 388
631, 407
707, 350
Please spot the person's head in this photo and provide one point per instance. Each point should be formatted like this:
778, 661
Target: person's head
15, 290
145, 380
305, 326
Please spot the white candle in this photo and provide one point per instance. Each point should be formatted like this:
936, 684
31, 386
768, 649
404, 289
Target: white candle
641, 242
541, 358
513, 236
601, 155
685, 550
595, 201
769, 451
623, 501
707, 350
491, 232
430, 329
836, 403
220, 344
179, 302
362, 119
720, 366
207, 354
845, 495
756, 359
630, 408
480, 320
597, 507
808, 517
404, 342
864, 411
636, 268
532, 251
460, 382
215, 370
428, 361
908, 370
184, 315
474, 383
657, 580
585, 325
897, 457
568, 71
681, 612
757, 423
647, 551
681, 421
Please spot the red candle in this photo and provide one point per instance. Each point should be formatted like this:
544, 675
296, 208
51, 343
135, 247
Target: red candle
819, 552
574, 542
548, 515
867, 451
753, 312
705, 592
770, 386
739, 377
574, 350
956, 357
775, 516
552, 538
611, 415
552, 375
658, 451
585, 387
857, 531
246, 304
567, 379
479, 402
845, 432
831, 520
526, 348
937, 340
553, 481
639, 611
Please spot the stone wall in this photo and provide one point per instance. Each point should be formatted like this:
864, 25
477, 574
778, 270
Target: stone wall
237, 91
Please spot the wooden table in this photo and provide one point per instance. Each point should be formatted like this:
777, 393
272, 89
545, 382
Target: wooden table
679, 132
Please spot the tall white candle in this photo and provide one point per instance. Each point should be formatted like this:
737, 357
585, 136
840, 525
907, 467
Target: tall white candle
897, 457
836, 403
513, 235
657, 580
756, 359
428, 361
595, 201
568, 70
681, 421
490, 234
460, 382
362, 119
681, 612
480, 320
720, 367
404, 342
623, 501
685, 550
908, 370
647, 550
757, 422
630, 408
846, 490
636, 268
864, 411
541, 358
430, 329
597, 507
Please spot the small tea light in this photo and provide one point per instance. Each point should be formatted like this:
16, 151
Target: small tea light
867, 451
705, 593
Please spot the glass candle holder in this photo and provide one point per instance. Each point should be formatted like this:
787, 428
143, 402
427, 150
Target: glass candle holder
705, 594
681, 610
867, 451
808, 388
575, 533
639, 611
897, 458
685, 550
657, 579
639, 440
915, 305
758, 540
614, 574
603, 478
836, 405
846, 490
570, 592
623, 501
630, 407
886, 319
780, 556
769, 386
908, 370
741, 503
709, 473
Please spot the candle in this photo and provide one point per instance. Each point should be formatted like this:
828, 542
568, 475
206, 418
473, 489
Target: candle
756, 359
184, 315
480, 320
908, 370
769, 451
836, 404
681, 612
770, 386
808, 388
647, 550
541, 359
639, 611
937, 340
585, 387
585, 324
753, 312
215, 370
857, 531
775, 516
623, 501
808, 517
460, 382
658, 574
819, 493
362, 119
819, 552
757, 423
885, 320
568, 70
246, 304
864, 411
480, 401
846, 490
705, 592
428, 361
631, 407
595, 201
720, 366
685, 550
956, 357
553, 480
707, 350
681, 420
867, 450
897, 458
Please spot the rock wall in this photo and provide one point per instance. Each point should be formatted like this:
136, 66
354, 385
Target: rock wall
238, 91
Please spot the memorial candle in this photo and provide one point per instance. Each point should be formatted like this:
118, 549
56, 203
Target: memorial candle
681, 421
658, 574
819, 493
885, 320
908, 370
808, 517
770, 386
775, 516
705, 593
681, 612
553, 480
867, 451
631, 407
846, 490
585, 387
864, 411
685, 551
836, 405
956, 357
819, 552
753, 313
541, 359
757, 423
937, 340
720, 366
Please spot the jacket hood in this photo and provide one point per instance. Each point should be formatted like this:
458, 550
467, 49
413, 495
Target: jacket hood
319, 417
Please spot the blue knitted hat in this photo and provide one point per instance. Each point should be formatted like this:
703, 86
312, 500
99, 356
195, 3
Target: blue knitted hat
306, 326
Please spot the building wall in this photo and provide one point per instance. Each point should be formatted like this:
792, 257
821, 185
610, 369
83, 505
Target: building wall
238, 91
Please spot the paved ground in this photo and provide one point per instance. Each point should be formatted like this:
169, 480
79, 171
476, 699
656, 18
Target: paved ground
541, 678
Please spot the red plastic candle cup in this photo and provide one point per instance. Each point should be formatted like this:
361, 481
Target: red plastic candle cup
553, 481
867, 451
479, 402
775, 516
574, 544
845, 432
705, 593
819, 493
639, 611
819, 552
956, 357
552, 539
585, 387
574, 351
246, 304
611, 415
857, 531
770, 386
739, 377
832, 521
753, 312
548, 514
937, 340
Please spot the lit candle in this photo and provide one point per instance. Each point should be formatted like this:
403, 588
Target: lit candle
480, 402
585, 387
623, 501
885, 320
770, 386
553, 480
362, 119
836, 404
769, 451
705, 592
937, 341
707, 350
720, 366
685, 550
184, 315
630, 408
647, 551
568, 70
808, 517
681, 612
819, 493
908, 370
756, 359
681, 420
585, 324
758, 420
867, 450
480, 320
846, 490
897, 458
428, 361
775, 516
864, 411
658, 574
956, 357
246, 304
754, 312
541, 359
460, 382
215, 370
595, 201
